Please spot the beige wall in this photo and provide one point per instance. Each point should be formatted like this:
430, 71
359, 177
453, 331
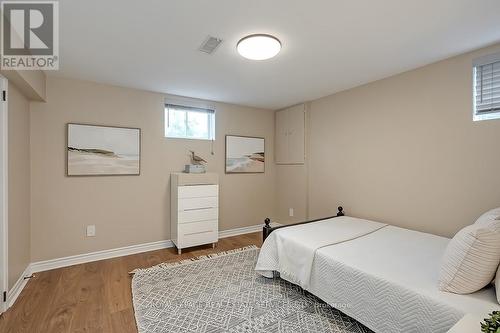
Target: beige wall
19, 183
291, 180
131, 210
292, 184
404, 150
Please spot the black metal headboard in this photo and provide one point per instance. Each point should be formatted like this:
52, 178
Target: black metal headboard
266, 231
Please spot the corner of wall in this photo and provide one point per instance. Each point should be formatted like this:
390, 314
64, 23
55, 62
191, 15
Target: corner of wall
19, 173
32, 84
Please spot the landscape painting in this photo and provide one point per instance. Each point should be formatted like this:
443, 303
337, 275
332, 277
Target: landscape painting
101, 150
244, 154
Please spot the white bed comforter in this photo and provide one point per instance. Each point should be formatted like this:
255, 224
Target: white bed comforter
386, 279
290, 251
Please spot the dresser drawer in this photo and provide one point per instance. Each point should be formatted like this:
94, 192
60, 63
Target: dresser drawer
202, 214
197, 233
197, 203
198, 191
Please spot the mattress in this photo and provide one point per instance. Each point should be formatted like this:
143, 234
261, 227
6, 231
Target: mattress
291, 250
388, 281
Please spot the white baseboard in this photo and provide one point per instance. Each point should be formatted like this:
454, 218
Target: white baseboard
14, 293
46, 265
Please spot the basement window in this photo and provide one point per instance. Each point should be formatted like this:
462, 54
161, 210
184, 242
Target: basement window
185, 122
487, 87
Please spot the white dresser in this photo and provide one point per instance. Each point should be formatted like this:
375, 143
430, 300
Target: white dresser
194, 209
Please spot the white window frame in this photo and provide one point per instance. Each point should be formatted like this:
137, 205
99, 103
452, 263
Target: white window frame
193, 107
482, 61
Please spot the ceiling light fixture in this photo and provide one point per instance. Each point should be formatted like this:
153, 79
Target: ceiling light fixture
258, 47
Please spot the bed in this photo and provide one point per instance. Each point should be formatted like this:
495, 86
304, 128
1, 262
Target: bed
383, 276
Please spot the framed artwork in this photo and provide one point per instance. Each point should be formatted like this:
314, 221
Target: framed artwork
245, 154
94, 150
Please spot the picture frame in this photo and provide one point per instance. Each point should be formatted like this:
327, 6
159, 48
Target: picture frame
102, 150
244, 154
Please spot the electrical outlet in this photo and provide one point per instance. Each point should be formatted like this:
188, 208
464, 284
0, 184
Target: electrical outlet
90, 230
290, 212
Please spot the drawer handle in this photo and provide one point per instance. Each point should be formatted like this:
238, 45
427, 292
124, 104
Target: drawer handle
199, 232
204, 208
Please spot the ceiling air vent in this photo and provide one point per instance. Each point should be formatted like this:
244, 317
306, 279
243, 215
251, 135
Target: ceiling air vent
210, 44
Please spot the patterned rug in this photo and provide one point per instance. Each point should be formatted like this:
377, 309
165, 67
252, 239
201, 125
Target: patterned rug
222, 293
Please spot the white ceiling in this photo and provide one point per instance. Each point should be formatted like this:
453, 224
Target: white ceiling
328, 45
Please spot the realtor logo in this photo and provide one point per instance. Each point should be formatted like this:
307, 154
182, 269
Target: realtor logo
30, 35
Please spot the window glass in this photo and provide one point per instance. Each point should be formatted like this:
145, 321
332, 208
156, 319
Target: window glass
189, 122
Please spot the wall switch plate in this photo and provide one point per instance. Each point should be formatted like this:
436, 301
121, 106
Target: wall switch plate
290, 212
90, 230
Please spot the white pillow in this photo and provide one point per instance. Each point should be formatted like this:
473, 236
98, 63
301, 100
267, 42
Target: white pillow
471, 258
497, 284
493, 214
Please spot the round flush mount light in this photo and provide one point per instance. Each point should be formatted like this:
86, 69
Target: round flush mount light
258, 47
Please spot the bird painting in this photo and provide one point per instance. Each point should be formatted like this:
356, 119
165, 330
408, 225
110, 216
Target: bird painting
195, 159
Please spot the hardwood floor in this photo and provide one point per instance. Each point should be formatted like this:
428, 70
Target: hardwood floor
94, 297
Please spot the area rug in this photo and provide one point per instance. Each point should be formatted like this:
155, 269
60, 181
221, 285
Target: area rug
222, 293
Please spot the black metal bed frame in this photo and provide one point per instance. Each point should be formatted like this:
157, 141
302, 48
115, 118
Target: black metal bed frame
267, 229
